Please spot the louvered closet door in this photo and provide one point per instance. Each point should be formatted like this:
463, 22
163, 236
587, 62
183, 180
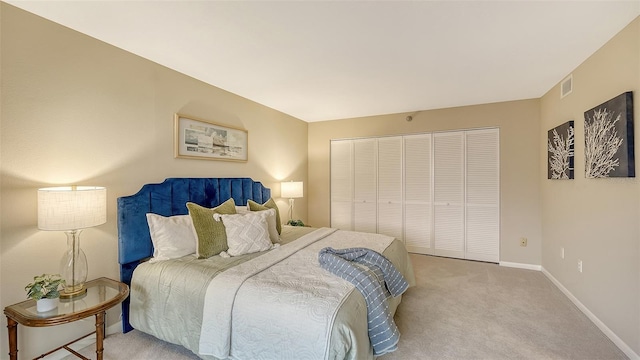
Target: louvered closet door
483, 195
418, 225
365, 185
449, 194
341, 184
390, 186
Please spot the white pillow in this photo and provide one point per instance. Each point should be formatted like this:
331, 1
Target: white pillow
246, 233
271, 221
242, 209
172, 237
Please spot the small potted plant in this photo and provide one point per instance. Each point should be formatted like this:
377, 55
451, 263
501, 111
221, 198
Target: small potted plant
44, 289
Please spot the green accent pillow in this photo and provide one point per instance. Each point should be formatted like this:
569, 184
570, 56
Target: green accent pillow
212, 238
270, 204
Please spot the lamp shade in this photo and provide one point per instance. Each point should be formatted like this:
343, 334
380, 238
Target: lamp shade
71, 207
291, 189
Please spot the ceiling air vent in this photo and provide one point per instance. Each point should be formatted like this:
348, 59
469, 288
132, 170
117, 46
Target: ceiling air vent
566, 86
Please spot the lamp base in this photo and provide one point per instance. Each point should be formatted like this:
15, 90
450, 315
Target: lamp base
73, 267
71, 295
291, 202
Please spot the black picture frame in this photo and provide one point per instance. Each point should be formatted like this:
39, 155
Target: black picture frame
560, 150
608, 137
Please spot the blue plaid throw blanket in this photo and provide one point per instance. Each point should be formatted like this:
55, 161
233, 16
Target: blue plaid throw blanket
370, 271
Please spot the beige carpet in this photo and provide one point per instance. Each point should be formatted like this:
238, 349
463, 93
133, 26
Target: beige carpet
458, 310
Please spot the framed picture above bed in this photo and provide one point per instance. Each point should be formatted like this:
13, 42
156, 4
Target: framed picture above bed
201, 139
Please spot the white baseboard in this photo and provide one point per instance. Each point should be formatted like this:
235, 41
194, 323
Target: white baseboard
521, 266
610, 334
114, 328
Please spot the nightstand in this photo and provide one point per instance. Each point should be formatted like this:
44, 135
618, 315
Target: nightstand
102, 294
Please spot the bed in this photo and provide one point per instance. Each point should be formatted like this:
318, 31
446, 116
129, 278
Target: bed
276, 303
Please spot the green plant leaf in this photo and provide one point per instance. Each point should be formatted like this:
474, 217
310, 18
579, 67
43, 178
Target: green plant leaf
44, 286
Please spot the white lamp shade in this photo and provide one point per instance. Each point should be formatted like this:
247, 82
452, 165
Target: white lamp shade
71, 207
291, 189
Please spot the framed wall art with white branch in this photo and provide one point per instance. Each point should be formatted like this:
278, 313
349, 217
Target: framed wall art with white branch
608, 139
560, 142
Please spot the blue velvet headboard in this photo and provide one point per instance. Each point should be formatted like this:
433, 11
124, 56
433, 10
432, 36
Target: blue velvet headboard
169, 198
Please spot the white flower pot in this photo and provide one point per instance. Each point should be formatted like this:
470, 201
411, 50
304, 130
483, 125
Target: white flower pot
44, 305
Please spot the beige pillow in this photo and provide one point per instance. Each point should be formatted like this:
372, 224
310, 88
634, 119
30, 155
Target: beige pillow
212, 239
270, 204
271, 223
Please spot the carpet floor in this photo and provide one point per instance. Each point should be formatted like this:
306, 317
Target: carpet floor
458, 310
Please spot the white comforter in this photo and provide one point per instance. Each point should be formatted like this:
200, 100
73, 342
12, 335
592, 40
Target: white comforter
282, 305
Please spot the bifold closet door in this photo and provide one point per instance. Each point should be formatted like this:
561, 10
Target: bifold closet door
439, 192
483, 195
390, 186
418, 223
342, 185
365, 183
449, 180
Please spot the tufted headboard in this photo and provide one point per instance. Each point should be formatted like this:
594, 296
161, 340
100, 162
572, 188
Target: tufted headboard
169, 198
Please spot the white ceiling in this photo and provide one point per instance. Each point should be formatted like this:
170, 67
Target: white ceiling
339, 59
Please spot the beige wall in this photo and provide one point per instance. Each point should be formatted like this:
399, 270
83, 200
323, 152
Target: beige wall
596, 220
519, 162
77, 111
1, 78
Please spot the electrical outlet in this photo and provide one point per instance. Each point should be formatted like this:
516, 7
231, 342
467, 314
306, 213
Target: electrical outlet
579, 265
523, 241
562, 253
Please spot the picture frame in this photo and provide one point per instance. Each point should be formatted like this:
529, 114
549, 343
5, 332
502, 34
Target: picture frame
202, 139
560, 152
609, 144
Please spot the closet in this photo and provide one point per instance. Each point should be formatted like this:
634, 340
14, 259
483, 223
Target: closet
437, 192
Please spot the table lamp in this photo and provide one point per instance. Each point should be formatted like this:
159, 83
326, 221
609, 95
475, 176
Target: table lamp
71, 209
291, 190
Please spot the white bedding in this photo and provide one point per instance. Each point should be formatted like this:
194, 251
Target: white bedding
279, 305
